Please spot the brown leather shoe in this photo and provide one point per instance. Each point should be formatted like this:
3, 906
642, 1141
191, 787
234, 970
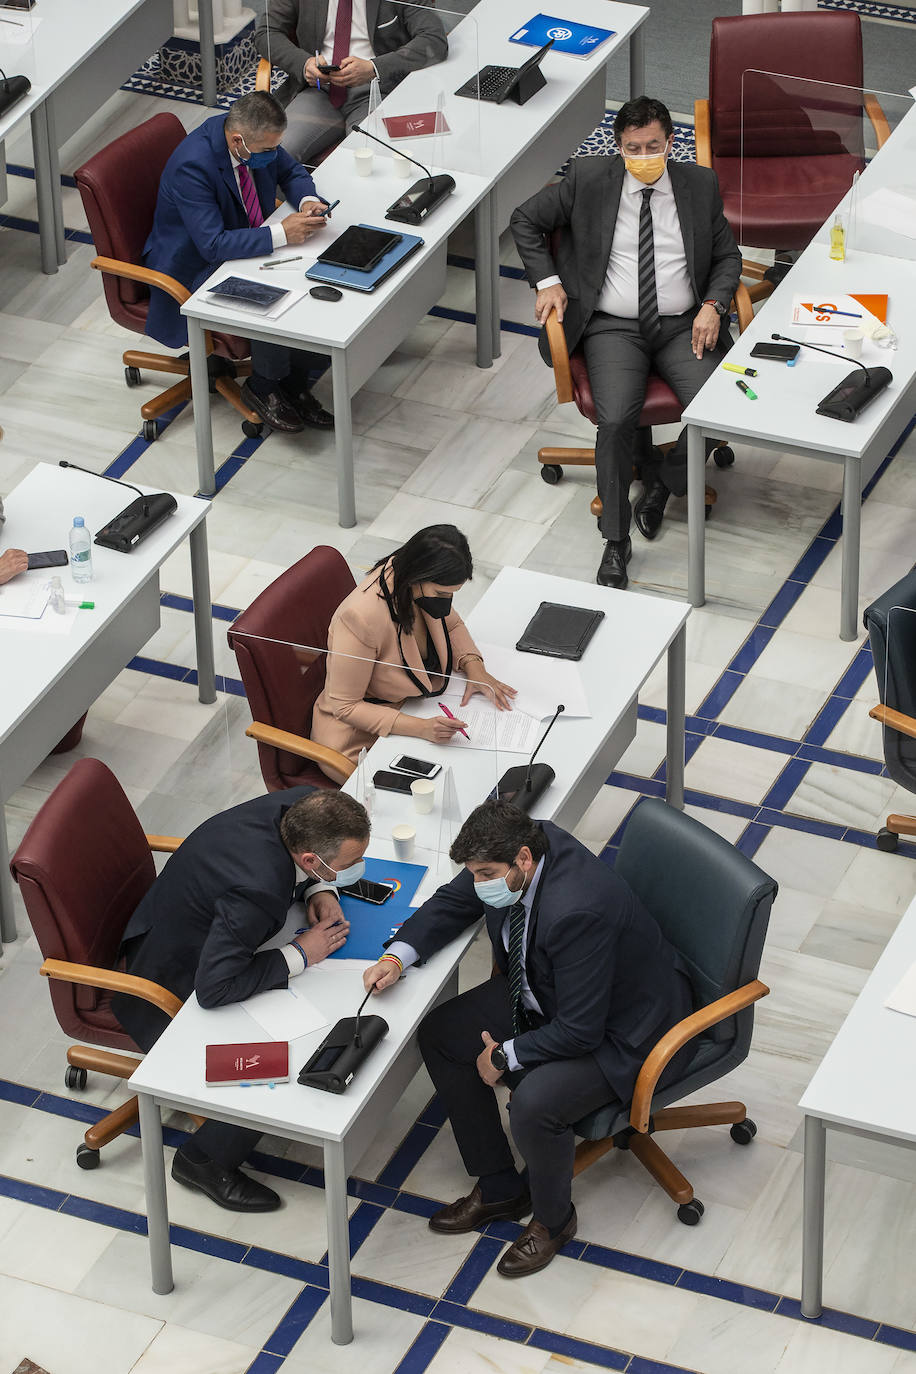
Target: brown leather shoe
274, 409
470, 1212
534, 1249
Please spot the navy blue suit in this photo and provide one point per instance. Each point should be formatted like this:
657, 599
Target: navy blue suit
200, 221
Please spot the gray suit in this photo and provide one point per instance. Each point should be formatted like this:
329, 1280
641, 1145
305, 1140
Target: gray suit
583, 207
403, 36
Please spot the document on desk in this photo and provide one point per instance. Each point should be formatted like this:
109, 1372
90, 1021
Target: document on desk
903, 998
24, 599
512, 732
541, 683
285, 1013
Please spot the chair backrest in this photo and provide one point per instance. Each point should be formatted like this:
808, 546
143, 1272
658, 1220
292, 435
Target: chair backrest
891, 625
82, 867
813, 46
711, 902
119, 186
278, 643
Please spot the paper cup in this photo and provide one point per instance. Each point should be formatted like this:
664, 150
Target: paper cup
852, 342
403, 167
403, 837
363, 159
423, 791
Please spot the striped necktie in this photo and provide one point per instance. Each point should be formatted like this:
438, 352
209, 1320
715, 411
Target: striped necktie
649, 321
250, 198
341, 47
516, 965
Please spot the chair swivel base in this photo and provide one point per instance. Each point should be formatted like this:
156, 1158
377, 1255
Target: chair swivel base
222, 378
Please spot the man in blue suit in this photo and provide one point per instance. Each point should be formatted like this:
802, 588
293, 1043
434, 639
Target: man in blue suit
218, 188
587, 984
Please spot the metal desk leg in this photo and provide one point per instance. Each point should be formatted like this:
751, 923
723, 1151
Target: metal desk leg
677, 687
696, 516
483, 280
157, 1207
343, 433
203, 615
494, 273
335, 1192
200, 399
637, 62
852, 521
813, 1217
207, 51
44, 189
56, 195
7, 909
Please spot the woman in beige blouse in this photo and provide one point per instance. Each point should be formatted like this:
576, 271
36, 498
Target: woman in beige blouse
396, 636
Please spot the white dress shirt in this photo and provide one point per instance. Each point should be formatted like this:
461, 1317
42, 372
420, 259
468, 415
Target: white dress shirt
277, 232
360, 43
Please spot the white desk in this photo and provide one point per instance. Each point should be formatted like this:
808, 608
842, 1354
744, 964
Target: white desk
80, 54
863, 1086
48, 679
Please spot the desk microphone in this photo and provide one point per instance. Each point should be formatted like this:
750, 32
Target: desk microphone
356, 1040
847, 400
417, 201
523, 785
135, 521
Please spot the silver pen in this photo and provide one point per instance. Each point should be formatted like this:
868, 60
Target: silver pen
269, 266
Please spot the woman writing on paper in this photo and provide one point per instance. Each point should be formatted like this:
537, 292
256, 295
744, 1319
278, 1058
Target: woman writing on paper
395, 637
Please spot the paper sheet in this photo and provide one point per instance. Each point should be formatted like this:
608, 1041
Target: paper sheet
557, 680
903, 998
24, 598
489, 728
285, 1013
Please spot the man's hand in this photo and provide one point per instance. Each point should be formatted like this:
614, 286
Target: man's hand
311, 73
705, 329
324, 909
484, 1067
12, 562
323, 939
382, 975
551, 298
304, 223
354, 71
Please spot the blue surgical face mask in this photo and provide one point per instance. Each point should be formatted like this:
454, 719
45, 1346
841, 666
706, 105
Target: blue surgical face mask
346, 877
497, 892
261, 159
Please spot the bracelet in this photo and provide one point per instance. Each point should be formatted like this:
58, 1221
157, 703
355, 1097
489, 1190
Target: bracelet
394, 959
296, 945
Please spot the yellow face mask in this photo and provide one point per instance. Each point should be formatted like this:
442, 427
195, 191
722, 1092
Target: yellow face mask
646, 169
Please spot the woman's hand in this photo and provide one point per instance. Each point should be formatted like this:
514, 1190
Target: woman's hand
435, 729
499, 692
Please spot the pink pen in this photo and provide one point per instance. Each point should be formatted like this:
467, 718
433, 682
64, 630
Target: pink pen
451, 717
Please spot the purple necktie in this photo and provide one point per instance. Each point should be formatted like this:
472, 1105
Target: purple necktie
250, 198
341, 47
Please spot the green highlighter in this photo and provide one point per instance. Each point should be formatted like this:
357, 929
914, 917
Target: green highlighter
743, 386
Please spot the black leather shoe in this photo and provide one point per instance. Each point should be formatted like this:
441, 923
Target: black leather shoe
470, 1212
310, 411
274, 409
228, 1188
650, 508
612, 571
534, 1249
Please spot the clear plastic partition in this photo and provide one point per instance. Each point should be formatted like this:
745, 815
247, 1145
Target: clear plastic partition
17, 29
811, 151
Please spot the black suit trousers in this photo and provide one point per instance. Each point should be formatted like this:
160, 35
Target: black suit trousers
545, 1099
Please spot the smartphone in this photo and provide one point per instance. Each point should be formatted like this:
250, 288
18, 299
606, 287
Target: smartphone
417, 768
393, 782
53, 558
326, 209
780, 353
327, 69
366, 891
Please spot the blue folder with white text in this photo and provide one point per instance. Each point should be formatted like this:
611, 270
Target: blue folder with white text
371, 926
578, 40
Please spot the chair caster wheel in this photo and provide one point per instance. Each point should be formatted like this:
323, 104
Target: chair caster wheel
551, 473
724, 457
76, 1079
132, 376
887, 840
690, 1212
252, 429
150, 431
743, 1132
87, 1158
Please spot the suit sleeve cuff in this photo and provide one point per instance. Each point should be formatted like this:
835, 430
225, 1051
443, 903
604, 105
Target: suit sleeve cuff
548, 281
403, 951
278, 235
511, 1056
294, 959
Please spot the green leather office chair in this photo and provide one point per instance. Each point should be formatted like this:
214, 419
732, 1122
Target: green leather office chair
713, 904
891, 625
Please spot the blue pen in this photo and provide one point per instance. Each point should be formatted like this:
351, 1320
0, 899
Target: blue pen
318, 78
827, 310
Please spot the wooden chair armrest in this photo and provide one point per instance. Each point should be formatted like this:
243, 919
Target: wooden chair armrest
262, 76
111, 980
298, 744
134, 272
744, 306
677, 1037
878, 119
701, 132
163, 844
894, 720
559, 356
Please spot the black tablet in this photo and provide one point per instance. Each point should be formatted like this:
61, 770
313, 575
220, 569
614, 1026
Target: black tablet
559, 631
245, 292
359, 247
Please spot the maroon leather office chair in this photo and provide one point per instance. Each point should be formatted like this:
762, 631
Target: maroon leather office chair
82, 867
279, 643
118, 187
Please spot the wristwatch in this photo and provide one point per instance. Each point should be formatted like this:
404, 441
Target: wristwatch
717, 307
498, 1059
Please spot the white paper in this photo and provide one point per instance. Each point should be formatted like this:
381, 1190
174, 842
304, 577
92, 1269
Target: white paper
285, 1013
271, 313
895, 210
903, 998
558, 680
24, 598
489, 728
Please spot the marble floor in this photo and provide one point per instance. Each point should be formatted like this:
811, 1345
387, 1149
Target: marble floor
783, 761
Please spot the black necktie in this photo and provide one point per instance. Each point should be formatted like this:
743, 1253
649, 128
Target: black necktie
649, 321
516, 965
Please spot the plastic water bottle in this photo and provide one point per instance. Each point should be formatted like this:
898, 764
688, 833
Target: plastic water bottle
80, 551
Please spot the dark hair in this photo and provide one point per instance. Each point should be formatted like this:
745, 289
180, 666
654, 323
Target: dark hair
257, 113
636, 114
322, 822
438, 553
494, 833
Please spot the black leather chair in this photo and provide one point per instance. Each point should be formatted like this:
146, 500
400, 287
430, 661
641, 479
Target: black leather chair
891, 625
713, 904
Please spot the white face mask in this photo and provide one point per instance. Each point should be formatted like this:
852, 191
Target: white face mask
345, 877
497, 892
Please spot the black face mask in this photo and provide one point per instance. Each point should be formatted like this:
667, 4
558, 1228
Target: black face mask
439, 607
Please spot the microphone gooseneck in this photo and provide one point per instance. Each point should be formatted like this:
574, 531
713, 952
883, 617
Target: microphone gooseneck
63, 463
358, 128
560, 709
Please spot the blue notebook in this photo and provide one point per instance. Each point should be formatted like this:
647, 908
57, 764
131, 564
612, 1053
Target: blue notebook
357, 280
579, 40
371, 926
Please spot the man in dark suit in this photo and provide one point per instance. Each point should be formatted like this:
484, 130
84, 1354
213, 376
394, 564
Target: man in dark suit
643, 275
199, 928
365, 39
217, 189
586, 986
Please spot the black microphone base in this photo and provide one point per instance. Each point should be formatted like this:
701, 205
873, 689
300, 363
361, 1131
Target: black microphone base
136, 522
422, 197
511, 786
854, 393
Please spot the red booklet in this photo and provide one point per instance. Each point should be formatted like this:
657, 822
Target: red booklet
416, 125
264, 1062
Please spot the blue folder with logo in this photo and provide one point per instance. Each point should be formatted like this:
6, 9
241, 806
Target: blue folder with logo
579, 40
358, 280
371, 926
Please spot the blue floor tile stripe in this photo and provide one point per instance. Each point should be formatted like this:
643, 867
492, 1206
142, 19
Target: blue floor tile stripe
424, 1349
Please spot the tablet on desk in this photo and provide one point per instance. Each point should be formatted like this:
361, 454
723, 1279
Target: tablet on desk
559, 631
360, 248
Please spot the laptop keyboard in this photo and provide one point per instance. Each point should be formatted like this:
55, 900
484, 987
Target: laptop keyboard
491, 82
